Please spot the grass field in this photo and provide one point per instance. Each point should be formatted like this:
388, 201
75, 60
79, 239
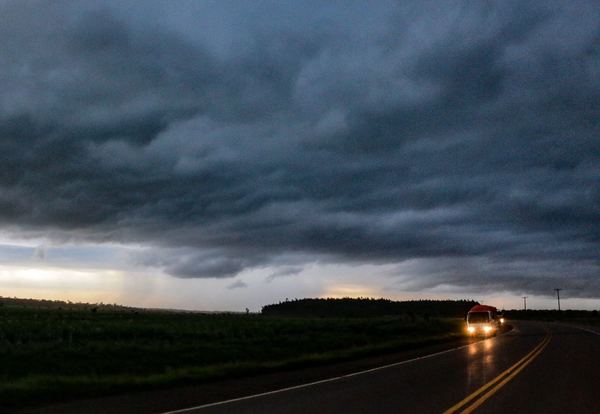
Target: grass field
59, 354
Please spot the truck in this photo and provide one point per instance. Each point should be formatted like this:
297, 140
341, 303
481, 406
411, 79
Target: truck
483, 320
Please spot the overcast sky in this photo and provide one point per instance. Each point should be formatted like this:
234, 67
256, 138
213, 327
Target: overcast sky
218, 155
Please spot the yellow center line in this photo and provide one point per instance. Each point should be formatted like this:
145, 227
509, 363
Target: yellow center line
502, 379
491, 392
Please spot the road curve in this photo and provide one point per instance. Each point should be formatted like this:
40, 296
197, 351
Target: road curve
536, 368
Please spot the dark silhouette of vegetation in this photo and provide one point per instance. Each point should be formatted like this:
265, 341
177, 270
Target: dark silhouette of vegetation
60, 305
369, 307
53, 349
554, 315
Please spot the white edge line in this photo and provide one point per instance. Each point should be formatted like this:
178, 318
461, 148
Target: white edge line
581, 328
585, 329
310, 384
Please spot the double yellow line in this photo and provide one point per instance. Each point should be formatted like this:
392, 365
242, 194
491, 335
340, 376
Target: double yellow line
474, 400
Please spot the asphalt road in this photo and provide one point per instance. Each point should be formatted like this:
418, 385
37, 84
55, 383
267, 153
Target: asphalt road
536, 368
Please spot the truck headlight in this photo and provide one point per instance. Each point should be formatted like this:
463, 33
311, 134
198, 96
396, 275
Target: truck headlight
487, 329
501, 320
470, 329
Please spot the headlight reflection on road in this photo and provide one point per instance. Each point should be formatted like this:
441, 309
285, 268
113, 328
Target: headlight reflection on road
481, 363
473, 350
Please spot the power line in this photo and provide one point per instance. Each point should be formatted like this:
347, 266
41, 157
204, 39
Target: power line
525, 302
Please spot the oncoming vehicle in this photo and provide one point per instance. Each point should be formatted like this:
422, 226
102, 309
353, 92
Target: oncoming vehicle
483, 320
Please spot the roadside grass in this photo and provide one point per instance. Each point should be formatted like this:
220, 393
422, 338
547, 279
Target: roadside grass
59, 355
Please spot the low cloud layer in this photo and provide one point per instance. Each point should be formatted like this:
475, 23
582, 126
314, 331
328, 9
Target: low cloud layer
225, 137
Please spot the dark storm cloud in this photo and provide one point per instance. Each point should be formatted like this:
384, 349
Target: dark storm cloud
238, 284
284, 271
226, 136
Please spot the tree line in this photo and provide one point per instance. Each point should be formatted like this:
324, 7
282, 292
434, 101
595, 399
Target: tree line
368, 307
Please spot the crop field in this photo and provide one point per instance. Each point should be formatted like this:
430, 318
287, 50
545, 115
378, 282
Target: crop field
58, 354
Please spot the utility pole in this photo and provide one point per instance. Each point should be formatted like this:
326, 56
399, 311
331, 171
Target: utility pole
558, 296
524, 302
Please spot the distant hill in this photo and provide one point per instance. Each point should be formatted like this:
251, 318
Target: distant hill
57, 304
45, 304
365, 307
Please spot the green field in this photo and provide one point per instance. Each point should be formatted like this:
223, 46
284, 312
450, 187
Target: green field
55, 353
